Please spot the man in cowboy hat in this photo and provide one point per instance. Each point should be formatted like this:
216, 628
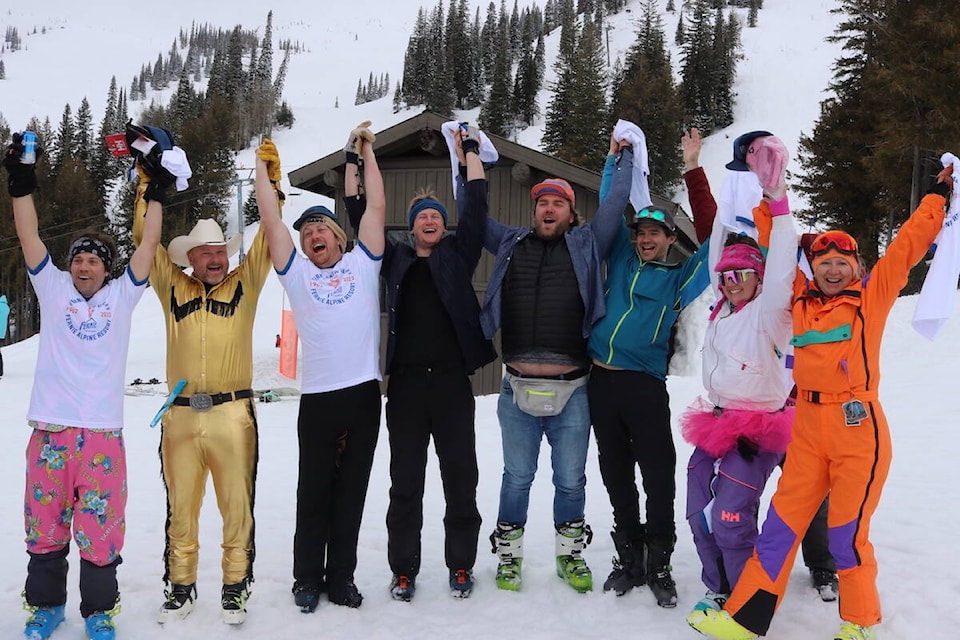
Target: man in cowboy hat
211, 428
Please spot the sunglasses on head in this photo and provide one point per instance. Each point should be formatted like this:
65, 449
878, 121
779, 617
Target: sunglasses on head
842, 242
735, 276
649, 213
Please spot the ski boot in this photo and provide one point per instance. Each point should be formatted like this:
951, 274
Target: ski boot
826, 584
507, 543
181, 599
233, 602
629, 566
43, 621
571, 539
658, 573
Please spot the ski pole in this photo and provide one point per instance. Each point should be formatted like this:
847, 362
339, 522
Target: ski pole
168, 402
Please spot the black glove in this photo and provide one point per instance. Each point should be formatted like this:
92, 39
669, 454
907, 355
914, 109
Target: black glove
941, 189
747, 449
471, 144
157, 188
22, 180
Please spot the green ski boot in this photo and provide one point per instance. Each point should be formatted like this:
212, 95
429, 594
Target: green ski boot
571, 539
507, 543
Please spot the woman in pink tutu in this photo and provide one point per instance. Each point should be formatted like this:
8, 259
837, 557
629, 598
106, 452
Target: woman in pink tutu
742, 429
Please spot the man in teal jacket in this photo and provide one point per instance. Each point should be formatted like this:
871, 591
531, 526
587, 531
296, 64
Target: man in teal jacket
627, 392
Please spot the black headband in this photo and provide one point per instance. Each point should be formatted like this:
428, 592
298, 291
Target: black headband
86, 244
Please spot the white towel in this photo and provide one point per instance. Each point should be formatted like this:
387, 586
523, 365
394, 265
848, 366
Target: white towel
639, 189
938, 296
741, 192
175, 161
488, 152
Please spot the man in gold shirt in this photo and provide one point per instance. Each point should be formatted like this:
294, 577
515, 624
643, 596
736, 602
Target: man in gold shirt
211, 427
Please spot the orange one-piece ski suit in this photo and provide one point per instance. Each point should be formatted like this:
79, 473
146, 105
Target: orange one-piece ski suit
837, 359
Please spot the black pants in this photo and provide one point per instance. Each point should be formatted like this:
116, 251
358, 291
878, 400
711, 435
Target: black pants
630, 412
816, 545
337, 432
421, 405
46, 584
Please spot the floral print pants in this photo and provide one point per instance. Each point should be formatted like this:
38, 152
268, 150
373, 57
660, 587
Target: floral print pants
76, 476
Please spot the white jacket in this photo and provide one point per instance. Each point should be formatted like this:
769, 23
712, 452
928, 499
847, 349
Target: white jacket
744, 353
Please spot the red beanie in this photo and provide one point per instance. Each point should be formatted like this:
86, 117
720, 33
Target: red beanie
556, 186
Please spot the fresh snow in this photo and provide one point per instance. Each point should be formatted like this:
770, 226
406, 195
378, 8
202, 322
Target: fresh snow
781, 81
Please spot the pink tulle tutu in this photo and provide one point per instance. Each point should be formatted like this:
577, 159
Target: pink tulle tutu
717, 435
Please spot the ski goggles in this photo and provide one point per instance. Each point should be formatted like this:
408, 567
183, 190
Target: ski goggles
735, 276
654, 215
839, 240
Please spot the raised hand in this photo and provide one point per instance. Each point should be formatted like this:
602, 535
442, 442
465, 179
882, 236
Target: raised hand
767, 158
267, 152
22, 179
690, 144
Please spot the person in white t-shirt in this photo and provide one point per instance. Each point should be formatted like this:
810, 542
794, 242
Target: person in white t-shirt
76, 466
334, 295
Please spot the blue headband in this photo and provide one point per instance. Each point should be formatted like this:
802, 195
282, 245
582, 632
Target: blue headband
426, 203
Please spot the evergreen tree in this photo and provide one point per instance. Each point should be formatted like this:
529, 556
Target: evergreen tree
3, 71
646, 95
440, 96
83, 133
495, 115
877, 139
577, 123
489, 41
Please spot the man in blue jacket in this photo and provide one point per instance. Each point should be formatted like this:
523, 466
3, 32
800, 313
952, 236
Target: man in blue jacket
545, 293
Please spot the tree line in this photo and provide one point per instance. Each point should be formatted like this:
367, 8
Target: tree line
455, 62
81, 185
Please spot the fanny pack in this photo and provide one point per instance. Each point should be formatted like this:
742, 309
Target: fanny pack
541, 397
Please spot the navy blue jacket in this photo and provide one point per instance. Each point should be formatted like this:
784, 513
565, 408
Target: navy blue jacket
452, 263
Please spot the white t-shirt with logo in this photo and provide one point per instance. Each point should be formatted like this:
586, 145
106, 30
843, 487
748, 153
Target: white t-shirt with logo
338, 318
82, 359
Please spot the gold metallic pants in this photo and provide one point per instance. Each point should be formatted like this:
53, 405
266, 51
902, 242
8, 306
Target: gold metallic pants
221, 442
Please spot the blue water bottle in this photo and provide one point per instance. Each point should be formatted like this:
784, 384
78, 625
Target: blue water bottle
29, 141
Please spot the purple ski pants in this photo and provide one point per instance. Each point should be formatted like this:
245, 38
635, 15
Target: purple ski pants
723, 500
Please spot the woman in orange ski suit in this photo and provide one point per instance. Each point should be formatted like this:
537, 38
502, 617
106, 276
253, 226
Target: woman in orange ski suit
841, 440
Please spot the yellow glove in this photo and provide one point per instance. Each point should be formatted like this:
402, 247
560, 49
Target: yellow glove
269, 154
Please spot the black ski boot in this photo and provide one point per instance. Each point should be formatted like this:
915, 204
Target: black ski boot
658, 572
629, 569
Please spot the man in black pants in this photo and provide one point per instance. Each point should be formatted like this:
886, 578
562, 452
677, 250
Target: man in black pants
435, 343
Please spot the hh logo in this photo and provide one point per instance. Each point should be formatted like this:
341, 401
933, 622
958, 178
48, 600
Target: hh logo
726, 516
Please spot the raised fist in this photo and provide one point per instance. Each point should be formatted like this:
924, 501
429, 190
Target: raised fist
22, 180
269, 154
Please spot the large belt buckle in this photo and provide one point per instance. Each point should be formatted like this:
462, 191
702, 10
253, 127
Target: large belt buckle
201, 402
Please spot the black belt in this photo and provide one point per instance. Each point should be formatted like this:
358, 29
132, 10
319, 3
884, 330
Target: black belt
576, 374
204, 401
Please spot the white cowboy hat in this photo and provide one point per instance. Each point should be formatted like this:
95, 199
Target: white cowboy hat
206, 231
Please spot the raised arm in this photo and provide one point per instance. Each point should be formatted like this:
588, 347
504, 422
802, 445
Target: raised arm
608, 221
21, 183
267, 179
142, 258
702, 203
25, 218
472, 213
371, 232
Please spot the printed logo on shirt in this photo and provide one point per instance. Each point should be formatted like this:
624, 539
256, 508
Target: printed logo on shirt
334, 286
88, 322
